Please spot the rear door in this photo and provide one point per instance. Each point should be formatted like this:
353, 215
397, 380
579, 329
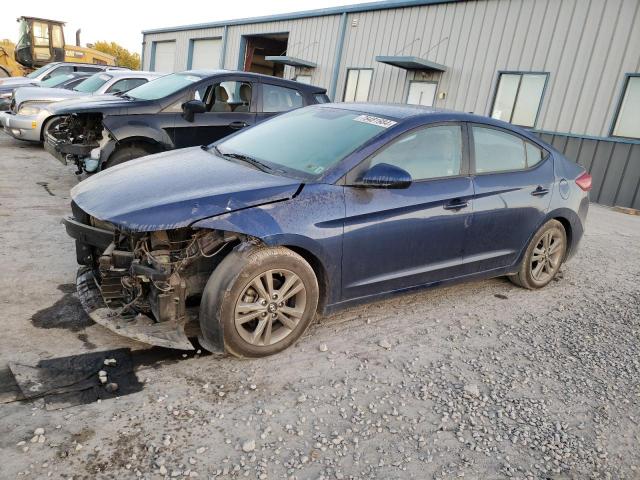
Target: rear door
512, 191
230, 105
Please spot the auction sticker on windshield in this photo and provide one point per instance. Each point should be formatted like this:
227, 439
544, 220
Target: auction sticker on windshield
371, 120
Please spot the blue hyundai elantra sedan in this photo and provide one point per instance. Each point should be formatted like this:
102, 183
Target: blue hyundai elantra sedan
249, 238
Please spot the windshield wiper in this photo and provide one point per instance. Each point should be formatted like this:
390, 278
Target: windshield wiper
244, 158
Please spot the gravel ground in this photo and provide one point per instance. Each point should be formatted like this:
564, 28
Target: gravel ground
482, 380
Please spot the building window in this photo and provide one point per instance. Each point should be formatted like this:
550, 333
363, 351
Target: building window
358, 84
518, 98
627, 121
306, 79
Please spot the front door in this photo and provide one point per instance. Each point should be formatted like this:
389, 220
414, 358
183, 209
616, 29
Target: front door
513, 186
230, 107
399, 238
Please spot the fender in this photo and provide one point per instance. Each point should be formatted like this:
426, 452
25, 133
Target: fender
123, 127
313, 221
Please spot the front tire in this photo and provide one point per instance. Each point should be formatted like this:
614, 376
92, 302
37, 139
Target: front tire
543, 258
124, 154
259, 301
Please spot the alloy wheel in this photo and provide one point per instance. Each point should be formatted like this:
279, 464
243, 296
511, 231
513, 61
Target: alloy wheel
547, 256
270, 307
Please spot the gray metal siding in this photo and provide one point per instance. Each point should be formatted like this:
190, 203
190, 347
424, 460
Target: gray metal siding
615, 167
586, 46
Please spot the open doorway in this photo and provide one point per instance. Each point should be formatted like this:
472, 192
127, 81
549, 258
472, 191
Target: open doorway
260, 46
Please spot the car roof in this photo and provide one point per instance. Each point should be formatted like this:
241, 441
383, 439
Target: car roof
132, 73
268, 78
401, 112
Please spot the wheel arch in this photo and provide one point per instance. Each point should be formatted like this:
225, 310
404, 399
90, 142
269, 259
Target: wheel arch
318, 268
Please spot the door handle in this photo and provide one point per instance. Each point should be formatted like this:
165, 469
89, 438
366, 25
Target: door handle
456, 205
237, 125
540, 191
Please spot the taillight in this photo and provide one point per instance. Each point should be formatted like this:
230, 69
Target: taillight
584, 181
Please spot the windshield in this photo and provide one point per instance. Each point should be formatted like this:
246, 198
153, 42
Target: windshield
36, 73
306, 142
57, 80
163, 86
93, 83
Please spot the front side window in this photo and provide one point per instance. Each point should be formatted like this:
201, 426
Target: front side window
627, 122
518, 98
93, 83
426, 153
61, 70
280, 99
306, 142
498, 151
358, 85
228, 96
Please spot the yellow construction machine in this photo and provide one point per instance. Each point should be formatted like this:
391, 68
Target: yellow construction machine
41, 41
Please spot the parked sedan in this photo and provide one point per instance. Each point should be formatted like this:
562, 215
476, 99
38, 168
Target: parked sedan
31, 106
314, 210
67, 81
180, 110
49, 71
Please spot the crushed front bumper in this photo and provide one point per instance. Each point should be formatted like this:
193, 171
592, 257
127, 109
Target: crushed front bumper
63, 150
169, 334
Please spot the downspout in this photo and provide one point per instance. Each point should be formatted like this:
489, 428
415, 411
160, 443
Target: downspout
223, 54
142, 55
338, 59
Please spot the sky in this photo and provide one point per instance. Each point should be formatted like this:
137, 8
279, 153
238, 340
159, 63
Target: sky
122, 21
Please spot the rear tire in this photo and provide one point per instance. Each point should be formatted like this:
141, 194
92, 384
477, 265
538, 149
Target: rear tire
259, 300
124, 154
543, 258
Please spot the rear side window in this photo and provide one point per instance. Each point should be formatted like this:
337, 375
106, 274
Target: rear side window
280, 99
499, 151
321, 98
126, 84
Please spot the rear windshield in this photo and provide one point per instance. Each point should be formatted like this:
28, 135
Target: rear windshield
55, 81
163, 86
93, 83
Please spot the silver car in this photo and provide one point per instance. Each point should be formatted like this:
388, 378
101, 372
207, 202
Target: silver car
29, 113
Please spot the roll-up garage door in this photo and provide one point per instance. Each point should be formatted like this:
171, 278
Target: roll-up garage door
165, 57
206, 53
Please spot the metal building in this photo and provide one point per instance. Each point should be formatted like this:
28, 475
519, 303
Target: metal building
568, 69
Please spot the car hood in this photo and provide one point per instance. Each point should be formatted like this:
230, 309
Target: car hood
175, 189
40, 94
17, 81
90, 103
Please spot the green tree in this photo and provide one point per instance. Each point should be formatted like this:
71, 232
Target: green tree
124, 58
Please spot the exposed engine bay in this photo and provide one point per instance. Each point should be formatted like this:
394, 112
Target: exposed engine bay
142, 285
77, 138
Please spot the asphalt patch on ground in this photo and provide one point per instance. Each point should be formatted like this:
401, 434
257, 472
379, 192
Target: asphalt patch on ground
75, 380
67, 313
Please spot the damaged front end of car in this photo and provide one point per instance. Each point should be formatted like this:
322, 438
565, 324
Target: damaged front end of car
146, 286
77, 138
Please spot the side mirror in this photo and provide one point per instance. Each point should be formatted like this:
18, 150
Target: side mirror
384, 175
190, 108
